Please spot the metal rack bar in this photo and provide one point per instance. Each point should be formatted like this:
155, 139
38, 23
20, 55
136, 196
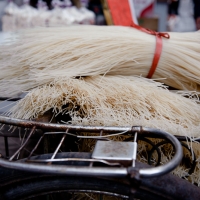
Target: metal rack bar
6, 146
59, 145
21, 147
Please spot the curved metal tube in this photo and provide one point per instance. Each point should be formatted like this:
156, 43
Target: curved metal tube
161, 170
147, 132
69, 170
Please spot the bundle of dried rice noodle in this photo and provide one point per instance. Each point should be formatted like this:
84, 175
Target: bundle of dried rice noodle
114, 101
40, 55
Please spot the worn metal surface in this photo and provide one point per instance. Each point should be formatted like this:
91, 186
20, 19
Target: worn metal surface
156, 171
66, 170
162, 187
111, 150
63, 127
59, 145
74, 159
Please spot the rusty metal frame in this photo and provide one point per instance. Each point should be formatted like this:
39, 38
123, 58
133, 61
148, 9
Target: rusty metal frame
93, 171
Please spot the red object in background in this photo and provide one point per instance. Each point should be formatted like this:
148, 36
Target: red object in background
121, 15
147, 11
144, 8
121, 12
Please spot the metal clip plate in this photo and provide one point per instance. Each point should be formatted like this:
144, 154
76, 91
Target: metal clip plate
122, 152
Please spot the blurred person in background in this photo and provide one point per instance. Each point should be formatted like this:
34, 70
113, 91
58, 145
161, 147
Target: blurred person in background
184, 15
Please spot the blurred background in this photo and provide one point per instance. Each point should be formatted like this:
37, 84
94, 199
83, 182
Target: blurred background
160, 15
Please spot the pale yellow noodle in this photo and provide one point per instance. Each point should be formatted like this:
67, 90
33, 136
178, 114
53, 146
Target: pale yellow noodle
42, 54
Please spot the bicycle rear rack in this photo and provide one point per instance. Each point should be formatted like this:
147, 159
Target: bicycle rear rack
64, 130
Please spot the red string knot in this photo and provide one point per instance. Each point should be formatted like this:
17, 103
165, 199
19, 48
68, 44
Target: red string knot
158, 49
